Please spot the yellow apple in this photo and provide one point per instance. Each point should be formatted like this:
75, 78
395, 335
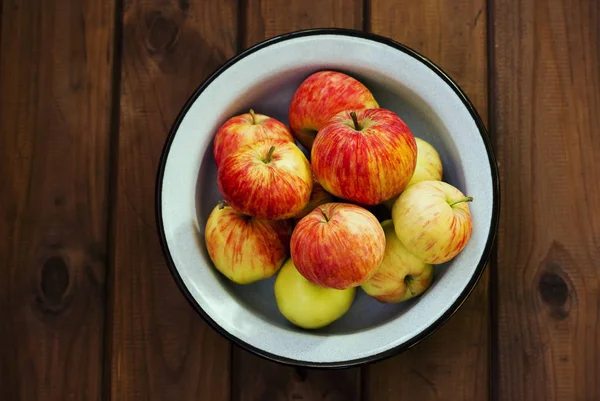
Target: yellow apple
401, 275
429, 166
307, 305
433, 220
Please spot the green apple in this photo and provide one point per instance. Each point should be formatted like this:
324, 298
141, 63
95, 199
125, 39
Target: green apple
401, 275
433, 220
429, 166
307, 305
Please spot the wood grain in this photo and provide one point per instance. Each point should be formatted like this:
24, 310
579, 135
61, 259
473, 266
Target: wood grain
56, 61
546, 94
453, 362
161, 349
255, 378
264, 19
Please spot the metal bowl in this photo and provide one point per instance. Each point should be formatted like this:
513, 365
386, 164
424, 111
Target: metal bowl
264, 78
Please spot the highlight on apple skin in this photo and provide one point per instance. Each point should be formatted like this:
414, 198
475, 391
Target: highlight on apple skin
321, 96
364, 156
269, 179
338, 245
401, 275
429, 166
246, 129
433, 220
307, 305
245, 249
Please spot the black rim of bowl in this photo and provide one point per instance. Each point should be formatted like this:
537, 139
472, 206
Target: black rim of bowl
478, 271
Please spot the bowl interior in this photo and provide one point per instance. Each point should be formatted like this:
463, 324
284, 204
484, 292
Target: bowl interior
265, 80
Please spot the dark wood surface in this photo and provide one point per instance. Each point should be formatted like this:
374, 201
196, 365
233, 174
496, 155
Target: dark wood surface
56, 86
160, 349
546, 107
88, 310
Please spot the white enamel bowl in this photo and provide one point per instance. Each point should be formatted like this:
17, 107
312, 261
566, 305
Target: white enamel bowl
264, 78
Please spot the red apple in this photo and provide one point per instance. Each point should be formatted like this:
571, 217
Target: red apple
321, 96
433, 220
243, 248
364, 156
269, 179
245, 129
338, 245
318, 197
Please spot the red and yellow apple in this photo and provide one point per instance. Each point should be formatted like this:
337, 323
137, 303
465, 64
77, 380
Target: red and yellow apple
243, 248
269, 179
307, 305
318, 197
433, 220
246, 129
321, 96
429, 166
338, 245
401, 275
364, 156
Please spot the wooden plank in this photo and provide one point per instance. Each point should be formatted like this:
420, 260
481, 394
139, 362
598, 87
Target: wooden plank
161, 349
546, 95
267, 18
255, 378
56, 63
453, 362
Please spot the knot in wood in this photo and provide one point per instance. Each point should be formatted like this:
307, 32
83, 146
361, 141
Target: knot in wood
553, 289
162, 34
54, 281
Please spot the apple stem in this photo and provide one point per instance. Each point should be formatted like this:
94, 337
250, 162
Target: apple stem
355, 120
222, 204
253, 119
269, 155
461, 200
324, 215
408, 281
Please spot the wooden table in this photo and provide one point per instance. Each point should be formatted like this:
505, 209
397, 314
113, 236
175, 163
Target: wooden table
88, 309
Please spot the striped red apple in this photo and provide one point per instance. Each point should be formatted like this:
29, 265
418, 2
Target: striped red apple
246, 129
243, 248
338, 245
269, 179
364, 156
321, 96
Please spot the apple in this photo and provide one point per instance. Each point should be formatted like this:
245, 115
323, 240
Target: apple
321, 96
270, 179
318, 197
429, 166
338, 245
401, 275
245, 129
307, 305
243, 248
365, 156
433, 220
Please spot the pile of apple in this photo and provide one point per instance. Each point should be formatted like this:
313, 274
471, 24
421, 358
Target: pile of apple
310, 222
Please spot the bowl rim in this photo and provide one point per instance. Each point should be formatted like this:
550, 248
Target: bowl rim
463, 295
